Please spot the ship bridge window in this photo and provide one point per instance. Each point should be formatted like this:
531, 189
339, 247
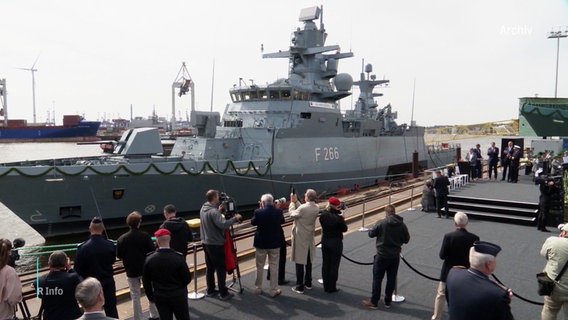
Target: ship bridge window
262, 94
285, 94
233, 123
274, 94
245, 95
301, 95
235, 97
254, 95
305, 115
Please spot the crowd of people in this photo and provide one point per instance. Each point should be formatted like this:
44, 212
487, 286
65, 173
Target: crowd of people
88, 290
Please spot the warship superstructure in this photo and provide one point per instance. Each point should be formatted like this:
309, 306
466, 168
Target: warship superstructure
291, 133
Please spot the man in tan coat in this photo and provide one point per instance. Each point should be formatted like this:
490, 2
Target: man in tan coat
303, 246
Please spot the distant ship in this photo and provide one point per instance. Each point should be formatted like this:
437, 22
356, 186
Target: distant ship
74, 127
271, 138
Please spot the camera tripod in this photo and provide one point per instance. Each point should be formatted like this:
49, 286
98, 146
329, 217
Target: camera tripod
236, 271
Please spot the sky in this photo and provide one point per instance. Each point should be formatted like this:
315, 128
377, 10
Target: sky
457, 62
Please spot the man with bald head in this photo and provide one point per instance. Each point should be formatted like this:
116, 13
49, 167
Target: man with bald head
95, 258
454, 252
90, 296
165, 278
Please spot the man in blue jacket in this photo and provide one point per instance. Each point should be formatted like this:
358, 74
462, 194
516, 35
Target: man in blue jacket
471, 294
95, 258
267, 241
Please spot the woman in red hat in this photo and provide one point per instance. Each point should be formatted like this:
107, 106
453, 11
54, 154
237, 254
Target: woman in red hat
332, 225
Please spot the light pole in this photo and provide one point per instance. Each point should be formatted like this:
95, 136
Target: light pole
557, 35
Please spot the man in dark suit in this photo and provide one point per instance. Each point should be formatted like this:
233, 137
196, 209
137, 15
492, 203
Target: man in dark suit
441, 186
478, 165
57, 289
454, 252
95, 258
515, 163
165, 279
90, 296
492, 160
471, 294
267, 241
506, 161
133, 247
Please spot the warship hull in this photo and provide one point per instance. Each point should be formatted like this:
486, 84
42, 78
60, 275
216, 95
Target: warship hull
60, 199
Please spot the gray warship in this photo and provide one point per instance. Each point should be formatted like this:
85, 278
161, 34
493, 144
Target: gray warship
287, 134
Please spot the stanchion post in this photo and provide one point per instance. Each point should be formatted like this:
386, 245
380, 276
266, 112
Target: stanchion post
411, 199
363, 228
395, 296
195, 295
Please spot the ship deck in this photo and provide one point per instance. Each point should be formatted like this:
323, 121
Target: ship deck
517, 265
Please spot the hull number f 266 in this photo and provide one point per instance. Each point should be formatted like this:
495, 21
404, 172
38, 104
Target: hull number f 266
327, 153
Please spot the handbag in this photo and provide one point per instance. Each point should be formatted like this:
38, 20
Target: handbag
545, 284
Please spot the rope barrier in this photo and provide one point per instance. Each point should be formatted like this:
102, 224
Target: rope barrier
415, 270
516, 295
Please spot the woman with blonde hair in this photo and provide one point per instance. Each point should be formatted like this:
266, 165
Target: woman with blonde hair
10, 285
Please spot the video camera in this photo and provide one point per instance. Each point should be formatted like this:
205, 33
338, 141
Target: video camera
229, 206
14, 254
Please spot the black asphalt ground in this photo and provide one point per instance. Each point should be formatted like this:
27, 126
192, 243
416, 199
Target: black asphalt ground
517, 265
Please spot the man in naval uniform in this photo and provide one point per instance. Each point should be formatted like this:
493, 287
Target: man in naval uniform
95, 258
166, 277
471, 294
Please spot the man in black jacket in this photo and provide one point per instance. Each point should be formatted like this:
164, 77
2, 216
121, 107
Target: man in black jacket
454, 252
391, 234
57, 289
165, 279
133, 247
181, 234
441, 186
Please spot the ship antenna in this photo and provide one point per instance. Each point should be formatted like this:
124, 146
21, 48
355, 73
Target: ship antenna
99, 211
412, 112
212, 85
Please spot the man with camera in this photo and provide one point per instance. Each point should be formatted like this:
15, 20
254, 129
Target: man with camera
267, 241
555, 250
57, 289
212, 228
547, 188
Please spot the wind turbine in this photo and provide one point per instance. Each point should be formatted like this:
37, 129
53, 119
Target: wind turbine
33, 70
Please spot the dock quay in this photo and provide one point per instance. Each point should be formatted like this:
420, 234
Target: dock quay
517, 264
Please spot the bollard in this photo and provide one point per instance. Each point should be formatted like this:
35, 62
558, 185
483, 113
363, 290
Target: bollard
195, 295
363, 228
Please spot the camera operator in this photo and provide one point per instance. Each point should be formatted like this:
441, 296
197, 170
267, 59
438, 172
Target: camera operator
547, 189
57, 289
212, 228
